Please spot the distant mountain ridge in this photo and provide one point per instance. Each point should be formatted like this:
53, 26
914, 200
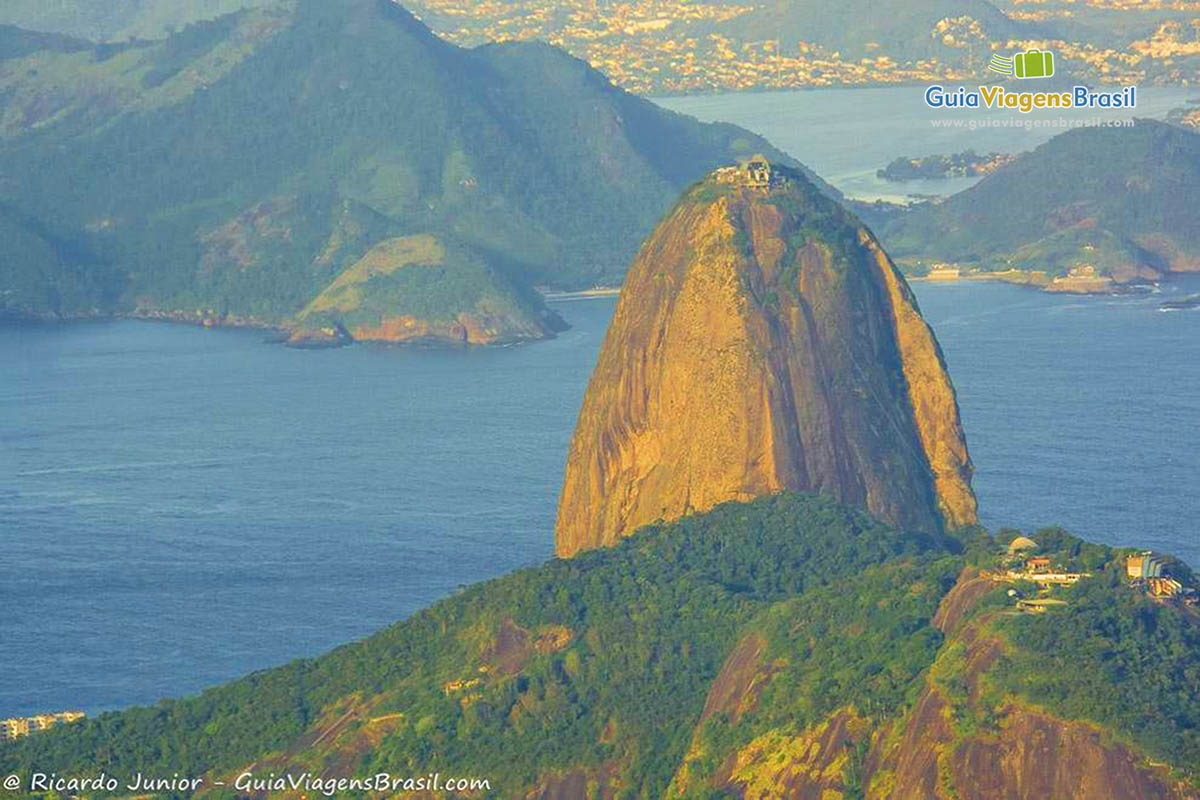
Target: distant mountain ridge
232, 172
1091, 209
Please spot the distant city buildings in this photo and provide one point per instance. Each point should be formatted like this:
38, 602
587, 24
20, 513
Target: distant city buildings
16, 727
683, 46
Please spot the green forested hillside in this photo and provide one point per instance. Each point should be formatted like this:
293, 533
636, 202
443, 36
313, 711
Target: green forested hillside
648, 624
1109, 638
115, 20
236, 168
695, 659
1125, 201
50, 271
17, 42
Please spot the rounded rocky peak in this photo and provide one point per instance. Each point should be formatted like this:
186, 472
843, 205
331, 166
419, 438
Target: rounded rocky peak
763, 341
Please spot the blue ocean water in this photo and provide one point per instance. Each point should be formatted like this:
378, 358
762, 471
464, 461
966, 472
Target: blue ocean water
182, 506
1079, 411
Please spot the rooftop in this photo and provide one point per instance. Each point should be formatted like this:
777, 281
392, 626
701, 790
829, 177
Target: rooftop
1022, 543
756, 172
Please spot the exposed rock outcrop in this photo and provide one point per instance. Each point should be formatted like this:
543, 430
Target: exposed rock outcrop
1024, 754
763, 341
954, 743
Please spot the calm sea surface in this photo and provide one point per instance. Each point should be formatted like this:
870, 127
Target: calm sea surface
180, 506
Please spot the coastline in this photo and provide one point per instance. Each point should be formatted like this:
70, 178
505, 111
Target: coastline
1083, 282
282, 333
584, 294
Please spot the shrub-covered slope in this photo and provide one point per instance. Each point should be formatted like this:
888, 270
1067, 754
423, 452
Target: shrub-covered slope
234, 170
1112, 203
780, 648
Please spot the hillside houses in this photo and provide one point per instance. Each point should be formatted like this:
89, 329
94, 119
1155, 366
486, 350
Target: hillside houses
16, 727
1163, 578
1039, 569
1160, 577
1023, 564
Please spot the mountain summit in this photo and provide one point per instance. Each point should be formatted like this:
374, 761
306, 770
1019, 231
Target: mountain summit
327, 166
763, 341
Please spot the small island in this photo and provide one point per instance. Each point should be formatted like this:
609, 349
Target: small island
939, 167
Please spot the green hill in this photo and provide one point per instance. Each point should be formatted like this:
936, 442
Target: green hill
17, 42
1117, 203
787, 644
233, 171
423, 288
115, 20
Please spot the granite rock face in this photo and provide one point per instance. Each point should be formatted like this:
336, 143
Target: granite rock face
763, 341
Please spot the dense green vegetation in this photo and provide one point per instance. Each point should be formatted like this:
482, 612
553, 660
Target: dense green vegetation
1119, 199
239, 166
1114, 657
651, 622
53, 272
1110, 655
859, 644
437, 286
602, 664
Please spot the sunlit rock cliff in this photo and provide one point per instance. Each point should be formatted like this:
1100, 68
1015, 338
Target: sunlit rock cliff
763, 341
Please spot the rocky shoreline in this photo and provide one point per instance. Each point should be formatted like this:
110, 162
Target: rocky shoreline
407, 331
1082, 281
